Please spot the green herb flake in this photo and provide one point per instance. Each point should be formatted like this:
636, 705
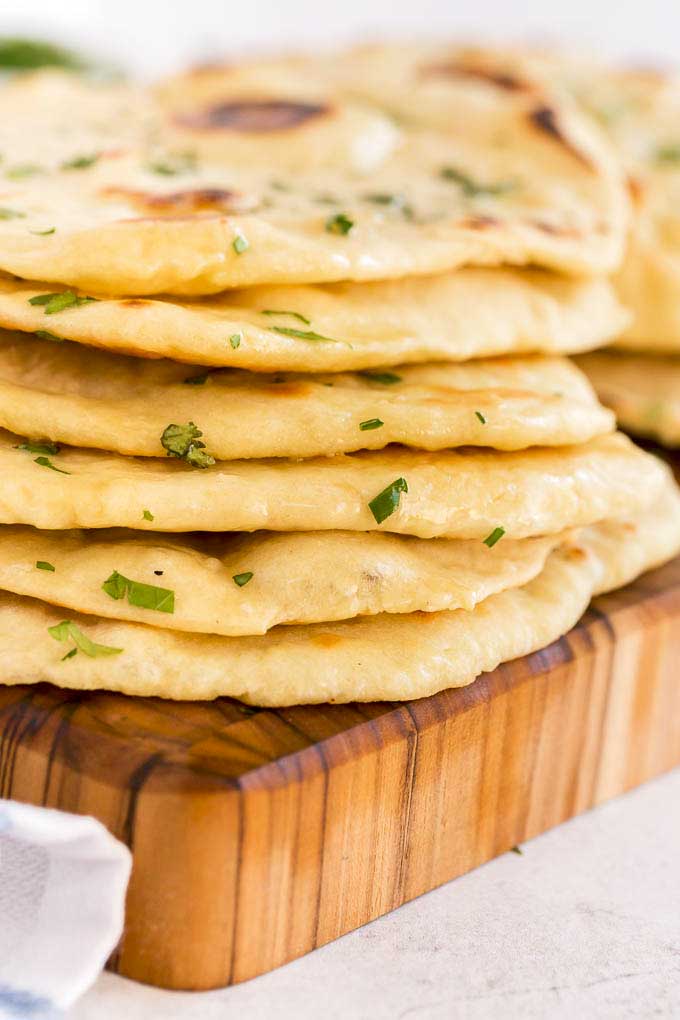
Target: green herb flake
481, 417
386, 502
668, 153
60, 301
18, 173
11, 214
68, 631
339, 224
46, 462
240, 244
173, 164
235, 341
69, 655
384, 378
517, 850
242, 579
44, 565
302, 334
19, 54
147, 515
43, 233
396, 202
370, 424
196, 380
80, 162
184, 442
39, 447
144, 596
295, 315
495, 536
472, 188
45, 334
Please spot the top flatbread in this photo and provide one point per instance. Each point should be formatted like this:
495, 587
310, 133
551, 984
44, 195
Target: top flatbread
512, 178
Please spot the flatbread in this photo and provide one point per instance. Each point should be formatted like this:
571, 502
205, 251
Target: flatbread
72, 394
453, 494
302, 577
643, 391
546, 193
386, 657
471, 313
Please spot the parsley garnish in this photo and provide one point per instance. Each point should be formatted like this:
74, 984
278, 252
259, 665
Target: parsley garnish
495, 536
397, 202
184, 441
43, 233
46, 462
145, 596
68, 631
45, 334
235, 340
46, 447
179, 163
17, 54
11, 214
17, 173
481, 417
471, 187
386, 502
516, 850
60, 301
147, 515
44, 565
339, 224
385, 378
80, 162
370, 424
302, 334
295, 315
240, 244
242, 579
69, 655
668, 153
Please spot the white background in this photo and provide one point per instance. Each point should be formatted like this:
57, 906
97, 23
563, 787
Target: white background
152, 36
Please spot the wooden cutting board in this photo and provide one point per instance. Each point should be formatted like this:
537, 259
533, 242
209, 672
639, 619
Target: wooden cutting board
259, 835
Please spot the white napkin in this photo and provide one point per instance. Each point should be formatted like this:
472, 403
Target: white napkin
62, 899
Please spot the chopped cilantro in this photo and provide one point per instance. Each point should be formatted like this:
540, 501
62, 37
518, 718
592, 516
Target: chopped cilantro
396, 202
668, 153
45, 334
17, 173
69, 655
386, 502
145, 596
385, 378
184, 441
11, 214
17, 54
339, 224
235, 340
60, 301
295, 315
242, 579
43, 233
46, 462
370, 424
481, 417
516, 850
173, 164
240, 244
44, 565
51, 448
68, 631
495, 536
302, 334
472, 188
147, 515
80, 162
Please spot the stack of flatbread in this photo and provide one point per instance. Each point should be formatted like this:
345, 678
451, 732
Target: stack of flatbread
286, 414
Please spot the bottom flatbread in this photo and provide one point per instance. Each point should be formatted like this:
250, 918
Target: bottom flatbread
391, 657
643, 390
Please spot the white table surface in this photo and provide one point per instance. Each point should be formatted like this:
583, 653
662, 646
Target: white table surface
585, 924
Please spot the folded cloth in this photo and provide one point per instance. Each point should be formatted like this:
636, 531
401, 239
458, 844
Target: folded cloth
63, 880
